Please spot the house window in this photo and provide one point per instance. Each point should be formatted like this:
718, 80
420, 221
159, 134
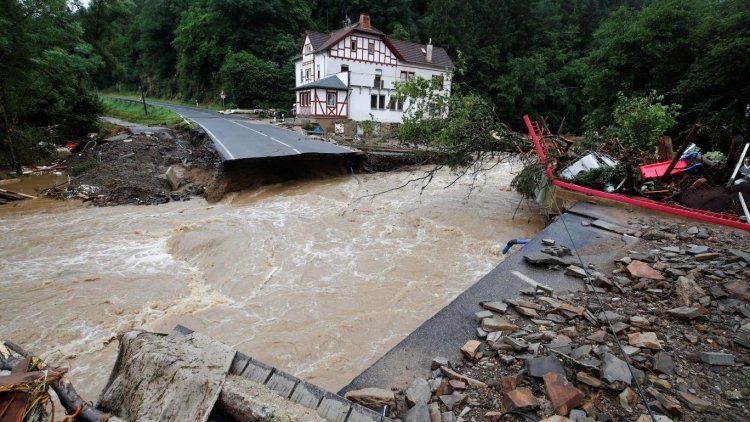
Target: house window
396, 103
378, 82
304, 99
381, 103
308, 49
300, 76
318, 71
344, 67
354, 45
405, 76
331, 99
373, 102
371, 48
307, 74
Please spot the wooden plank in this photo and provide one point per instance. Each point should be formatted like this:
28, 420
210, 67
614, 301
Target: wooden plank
14, 196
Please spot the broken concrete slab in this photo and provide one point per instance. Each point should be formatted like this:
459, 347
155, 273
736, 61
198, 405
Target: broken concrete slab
193, 372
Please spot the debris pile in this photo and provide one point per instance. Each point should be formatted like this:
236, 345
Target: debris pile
141, 169
687, 177
678, 307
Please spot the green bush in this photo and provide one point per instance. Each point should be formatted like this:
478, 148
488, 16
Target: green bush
639, 121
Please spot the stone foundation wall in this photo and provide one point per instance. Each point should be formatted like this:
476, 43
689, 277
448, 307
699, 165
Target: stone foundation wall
329, 406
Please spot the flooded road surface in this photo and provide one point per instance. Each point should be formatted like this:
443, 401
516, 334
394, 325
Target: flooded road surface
308, 276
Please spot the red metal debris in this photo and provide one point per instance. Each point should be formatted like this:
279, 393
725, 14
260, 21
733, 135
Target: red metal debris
537, 137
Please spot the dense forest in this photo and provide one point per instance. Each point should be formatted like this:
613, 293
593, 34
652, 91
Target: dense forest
565, 60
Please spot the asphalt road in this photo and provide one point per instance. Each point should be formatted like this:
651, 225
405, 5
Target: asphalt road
237, 138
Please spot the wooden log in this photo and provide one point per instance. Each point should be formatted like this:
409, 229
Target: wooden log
666, 151
682, 149
68, 396
14, 196
16, 381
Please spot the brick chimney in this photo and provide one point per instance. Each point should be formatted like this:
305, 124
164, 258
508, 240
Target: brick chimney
364, 21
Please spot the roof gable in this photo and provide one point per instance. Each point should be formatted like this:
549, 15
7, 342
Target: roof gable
405, 51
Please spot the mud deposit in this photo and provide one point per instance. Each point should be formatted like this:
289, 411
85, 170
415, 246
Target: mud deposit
132, 171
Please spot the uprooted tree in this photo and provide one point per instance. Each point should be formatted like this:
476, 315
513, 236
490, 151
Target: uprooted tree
461, 132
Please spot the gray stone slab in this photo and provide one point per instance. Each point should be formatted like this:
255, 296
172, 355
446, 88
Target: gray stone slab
363, 414
718, 359
116, 138
538, 367
334, 408
740, 254
182, 330
239, 363
282, 383
307, 395
257, 371
616, 228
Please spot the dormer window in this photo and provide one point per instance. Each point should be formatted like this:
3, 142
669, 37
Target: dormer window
354, 45
308, 49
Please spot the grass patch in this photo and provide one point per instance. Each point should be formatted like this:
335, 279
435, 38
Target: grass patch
137, 97
133, 112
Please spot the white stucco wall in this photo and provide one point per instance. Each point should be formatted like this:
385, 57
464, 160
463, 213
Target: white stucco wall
362, 70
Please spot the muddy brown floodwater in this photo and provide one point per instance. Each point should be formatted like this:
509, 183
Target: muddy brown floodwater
308, 276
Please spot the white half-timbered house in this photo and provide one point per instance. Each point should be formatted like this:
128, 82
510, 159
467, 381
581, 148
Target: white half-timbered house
349, 74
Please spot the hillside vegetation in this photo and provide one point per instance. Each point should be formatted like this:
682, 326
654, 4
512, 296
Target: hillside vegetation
564, 60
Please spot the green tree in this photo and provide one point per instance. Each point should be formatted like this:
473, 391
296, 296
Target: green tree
637, 51
639, 121
252, 82
461, 129
200, 45
400, 33
106, 26
716, 88
45, 73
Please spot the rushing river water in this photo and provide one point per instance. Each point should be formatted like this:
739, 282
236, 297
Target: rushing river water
307, 276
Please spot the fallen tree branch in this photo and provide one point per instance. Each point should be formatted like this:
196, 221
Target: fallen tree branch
68, 396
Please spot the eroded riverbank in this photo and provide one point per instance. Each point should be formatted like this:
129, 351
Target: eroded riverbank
307, 276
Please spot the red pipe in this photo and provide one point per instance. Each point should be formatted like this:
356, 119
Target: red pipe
707, 216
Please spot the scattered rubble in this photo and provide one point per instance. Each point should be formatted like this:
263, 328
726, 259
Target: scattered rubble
681, 317
141, 169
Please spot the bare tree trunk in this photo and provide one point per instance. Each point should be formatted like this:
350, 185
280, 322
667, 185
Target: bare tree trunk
9, 127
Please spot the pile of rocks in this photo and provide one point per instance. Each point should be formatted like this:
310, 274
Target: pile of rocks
676, 309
